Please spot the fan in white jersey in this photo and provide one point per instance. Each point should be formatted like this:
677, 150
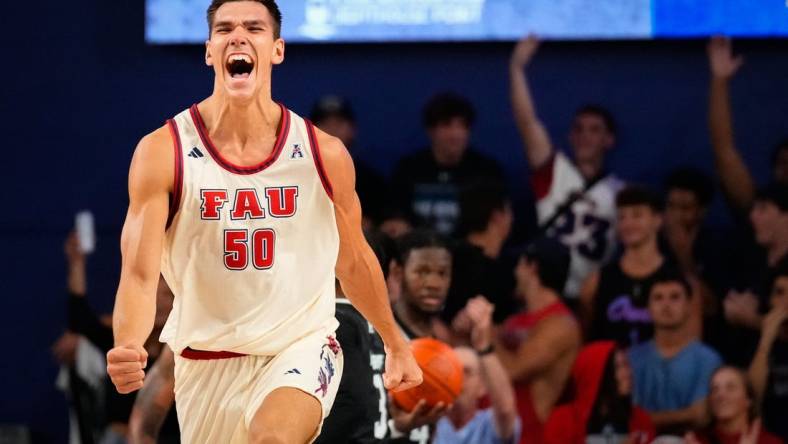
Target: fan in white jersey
250, 213
575, 198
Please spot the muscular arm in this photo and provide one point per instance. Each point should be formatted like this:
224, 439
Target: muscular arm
357, 268
736, 179
536, 141
543, 347
153, 401
150, 181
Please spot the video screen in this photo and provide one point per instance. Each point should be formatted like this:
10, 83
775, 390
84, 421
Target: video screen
347, 21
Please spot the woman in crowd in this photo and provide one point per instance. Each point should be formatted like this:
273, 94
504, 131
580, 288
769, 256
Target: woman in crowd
733, 409
601, 407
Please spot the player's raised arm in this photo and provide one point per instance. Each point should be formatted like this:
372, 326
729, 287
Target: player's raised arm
358, 269
150, 181
535, 138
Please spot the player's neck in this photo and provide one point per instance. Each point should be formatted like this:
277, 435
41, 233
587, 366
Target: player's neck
231, 120
416, 320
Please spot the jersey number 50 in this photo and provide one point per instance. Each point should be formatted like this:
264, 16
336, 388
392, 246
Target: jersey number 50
240, 249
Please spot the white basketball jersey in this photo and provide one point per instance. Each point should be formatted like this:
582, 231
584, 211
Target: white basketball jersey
588, 227
251, 250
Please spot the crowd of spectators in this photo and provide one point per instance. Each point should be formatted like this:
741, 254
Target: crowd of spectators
626, 318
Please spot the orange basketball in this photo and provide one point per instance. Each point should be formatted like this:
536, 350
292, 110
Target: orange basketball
442, 371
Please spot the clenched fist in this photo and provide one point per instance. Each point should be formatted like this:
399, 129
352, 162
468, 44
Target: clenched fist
126, 367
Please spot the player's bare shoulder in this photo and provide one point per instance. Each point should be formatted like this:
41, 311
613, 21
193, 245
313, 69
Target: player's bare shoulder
153, 164
337, 162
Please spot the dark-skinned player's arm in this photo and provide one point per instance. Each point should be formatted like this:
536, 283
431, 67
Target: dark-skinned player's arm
150, 182
737, 182
538, 148
154, 400
545, 344
358, 269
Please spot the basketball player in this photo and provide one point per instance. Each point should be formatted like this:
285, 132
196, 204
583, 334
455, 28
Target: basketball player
249, 221
360, 413
423, 267
575, 198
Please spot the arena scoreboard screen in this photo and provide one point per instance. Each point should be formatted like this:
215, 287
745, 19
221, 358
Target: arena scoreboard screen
307, 21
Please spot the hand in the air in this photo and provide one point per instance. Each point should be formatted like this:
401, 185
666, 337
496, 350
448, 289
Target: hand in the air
479, 310
721, 60
524, 51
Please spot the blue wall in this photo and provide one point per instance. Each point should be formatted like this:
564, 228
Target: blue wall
88, 88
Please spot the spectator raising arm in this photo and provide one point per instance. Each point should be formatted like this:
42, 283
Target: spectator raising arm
737, 182
537, 142
499, 387
759, 369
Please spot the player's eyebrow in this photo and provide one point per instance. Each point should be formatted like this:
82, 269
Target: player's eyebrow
223, 24
246, 24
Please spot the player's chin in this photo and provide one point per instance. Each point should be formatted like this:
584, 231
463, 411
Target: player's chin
431, 305
240, 87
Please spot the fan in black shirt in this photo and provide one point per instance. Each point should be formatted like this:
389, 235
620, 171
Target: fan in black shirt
335, 116
480, 266
427, 183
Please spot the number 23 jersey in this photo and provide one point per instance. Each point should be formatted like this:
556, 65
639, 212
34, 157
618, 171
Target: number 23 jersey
588, 227
249, 251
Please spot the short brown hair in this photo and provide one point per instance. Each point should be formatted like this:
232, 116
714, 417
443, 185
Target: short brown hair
271, 5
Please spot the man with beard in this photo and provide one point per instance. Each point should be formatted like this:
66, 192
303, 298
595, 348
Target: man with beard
423, 266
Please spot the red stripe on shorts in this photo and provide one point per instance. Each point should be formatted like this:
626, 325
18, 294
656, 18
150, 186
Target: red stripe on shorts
190, 353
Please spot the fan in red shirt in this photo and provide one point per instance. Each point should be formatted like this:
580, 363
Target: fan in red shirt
601, 405
733, 408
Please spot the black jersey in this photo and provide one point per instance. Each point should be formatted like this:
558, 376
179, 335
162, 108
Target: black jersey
359, 414
621, 306
423, 434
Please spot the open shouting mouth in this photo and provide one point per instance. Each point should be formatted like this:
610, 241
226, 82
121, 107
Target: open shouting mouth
239, 66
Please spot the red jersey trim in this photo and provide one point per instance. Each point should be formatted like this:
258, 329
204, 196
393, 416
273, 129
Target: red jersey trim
542, 178
177, 185
321, 171
284, 129
202, 355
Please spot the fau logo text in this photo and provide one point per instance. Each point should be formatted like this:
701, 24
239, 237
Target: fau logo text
246, 204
